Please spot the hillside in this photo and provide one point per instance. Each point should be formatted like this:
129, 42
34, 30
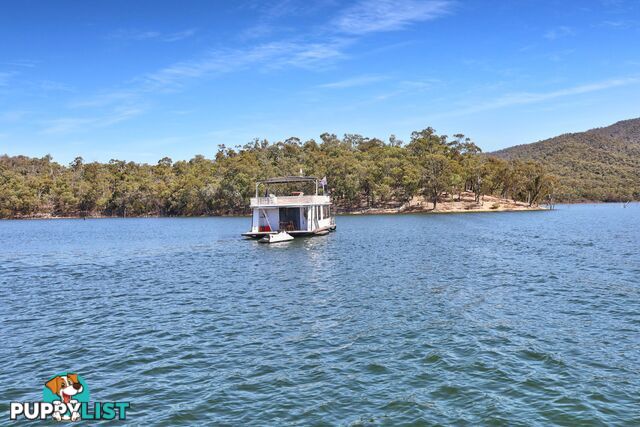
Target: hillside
601, 164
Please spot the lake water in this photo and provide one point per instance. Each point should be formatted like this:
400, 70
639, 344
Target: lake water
500, 318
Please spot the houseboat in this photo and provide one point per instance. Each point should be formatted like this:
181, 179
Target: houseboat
294, 212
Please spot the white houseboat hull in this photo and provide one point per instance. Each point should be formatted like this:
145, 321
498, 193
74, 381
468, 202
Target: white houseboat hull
319, 232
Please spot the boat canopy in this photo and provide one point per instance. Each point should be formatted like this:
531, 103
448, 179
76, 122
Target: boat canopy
287, 179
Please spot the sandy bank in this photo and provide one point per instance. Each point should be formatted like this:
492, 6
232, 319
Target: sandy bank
465, 204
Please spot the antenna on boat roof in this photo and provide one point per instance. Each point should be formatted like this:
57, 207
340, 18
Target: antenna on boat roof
301, 172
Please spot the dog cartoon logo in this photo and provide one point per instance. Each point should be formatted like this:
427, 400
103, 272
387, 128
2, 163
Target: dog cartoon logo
68, 389
65, 397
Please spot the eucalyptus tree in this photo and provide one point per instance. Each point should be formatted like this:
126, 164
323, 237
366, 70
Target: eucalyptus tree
436, 176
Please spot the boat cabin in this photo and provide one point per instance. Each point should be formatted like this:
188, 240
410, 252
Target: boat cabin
295, 212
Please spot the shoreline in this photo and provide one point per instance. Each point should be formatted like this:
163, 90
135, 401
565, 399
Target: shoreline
347, 213
372, 211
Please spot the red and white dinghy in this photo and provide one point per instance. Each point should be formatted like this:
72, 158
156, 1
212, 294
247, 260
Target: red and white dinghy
279, 237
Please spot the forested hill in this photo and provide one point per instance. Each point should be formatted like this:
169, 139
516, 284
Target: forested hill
361, 172
601, 164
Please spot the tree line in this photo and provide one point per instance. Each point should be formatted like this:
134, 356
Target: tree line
361, 172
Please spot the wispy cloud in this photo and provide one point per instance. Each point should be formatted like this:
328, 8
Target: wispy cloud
259, 31
180, 35
266, 56
139, 35
419, 85
392, 89
559, 32
560, 55
353, 82
12, 116
5, 76
67, 125
272, 13
620, 24
271, 10
398, 87
26, 63
317, 49
524, 98
128, 102
369, 16
50, 85
105, 99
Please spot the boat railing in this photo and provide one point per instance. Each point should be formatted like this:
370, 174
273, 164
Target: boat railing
289, 200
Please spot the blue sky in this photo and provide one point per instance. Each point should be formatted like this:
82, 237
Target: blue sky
147, 79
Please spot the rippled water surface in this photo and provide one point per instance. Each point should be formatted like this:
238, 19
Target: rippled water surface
500, 318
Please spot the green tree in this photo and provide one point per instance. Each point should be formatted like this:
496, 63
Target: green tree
436, 176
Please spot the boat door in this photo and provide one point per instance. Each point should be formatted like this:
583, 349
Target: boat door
289, 219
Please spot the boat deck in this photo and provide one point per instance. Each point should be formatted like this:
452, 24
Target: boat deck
298, 233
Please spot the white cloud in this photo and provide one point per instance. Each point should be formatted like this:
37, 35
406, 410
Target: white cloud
50, 85
65, 125
267, 55
353, 82
125, 103
26, 63
419, 85
121, 97
621, 24
370, 16
317, 49
5, 76
524, 98
77, 124
180, 35
139, 35
314, 50
559, 32
12, 116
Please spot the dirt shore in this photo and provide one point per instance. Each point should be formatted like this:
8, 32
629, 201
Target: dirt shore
466, 203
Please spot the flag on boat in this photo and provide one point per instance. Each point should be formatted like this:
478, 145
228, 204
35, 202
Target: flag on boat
323, 181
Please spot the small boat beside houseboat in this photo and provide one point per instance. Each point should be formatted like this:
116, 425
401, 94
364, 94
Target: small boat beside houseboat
293, 212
